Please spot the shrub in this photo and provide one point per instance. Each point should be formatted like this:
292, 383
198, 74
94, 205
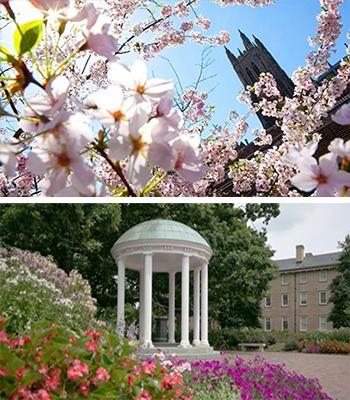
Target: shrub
334, 346
291, 345
54, 362
33, 288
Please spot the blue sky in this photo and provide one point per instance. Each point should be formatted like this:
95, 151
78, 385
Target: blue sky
283, 28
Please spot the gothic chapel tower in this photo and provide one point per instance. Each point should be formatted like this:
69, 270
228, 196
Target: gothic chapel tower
254, 60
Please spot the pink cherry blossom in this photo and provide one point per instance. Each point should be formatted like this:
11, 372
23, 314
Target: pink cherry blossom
324, 176
342, 117
135, 81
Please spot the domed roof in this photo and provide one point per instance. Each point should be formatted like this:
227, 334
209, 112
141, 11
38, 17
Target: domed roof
162, 229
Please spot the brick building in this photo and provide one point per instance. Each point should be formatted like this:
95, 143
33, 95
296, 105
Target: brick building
298, 300
248, 65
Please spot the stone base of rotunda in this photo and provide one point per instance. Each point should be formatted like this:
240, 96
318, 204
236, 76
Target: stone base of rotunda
186, 353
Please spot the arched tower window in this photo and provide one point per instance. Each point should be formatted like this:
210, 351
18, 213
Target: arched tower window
256, 69
251, 77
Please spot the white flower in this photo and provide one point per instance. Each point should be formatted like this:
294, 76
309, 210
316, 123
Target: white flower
46, 112
109, 106
340, 149
342, 116
135, 81
8, 159
325, 177
298, 152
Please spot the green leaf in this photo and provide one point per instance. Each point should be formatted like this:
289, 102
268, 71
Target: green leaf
27, 36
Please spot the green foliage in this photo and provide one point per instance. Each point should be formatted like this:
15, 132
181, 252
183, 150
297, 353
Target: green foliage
34, 289
340, 287
228, 338
77, 236
27, 36
223, 391
54, 362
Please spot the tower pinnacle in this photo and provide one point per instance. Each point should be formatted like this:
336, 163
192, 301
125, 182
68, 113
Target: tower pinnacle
246, 41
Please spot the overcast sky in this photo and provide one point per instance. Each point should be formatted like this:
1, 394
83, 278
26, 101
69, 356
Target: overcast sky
319, 227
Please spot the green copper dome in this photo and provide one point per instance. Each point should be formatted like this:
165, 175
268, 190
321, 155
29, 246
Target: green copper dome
162, 229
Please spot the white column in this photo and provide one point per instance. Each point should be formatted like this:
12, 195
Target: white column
148, 302
142, 307
171, 316
204, 298
196, 310
121, 297
185, 301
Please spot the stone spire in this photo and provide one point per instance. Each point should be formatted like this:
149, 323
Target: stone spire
246, 41
230, 56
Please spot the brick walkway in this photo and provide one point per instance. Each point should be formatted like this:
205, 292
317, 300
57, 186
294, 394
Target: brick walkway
333, 371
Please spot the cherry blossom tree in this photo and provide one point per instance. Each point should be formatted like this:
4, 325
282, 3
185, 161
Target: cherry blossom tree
78, 121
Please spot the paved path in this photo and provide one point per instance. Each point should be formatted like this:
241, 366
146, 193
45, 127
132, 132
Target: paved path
333, 371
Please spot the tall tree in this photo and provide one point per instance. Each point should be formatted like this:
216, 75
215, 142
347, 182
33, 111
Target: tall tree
340, 287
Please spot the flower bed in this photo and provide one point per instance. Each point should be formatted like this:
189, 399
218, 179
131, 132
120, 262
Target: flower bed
52, 362
249, 380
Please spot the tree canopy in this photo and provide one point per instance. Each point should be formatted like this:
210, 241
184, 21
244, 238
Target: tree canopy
81, 236
340, 287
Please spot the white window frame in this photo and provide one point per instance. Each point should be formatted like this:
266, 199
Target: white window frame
286, 281
268, 306
284, 294
303, 318
265, 323
319, 298
283, 319
319, 323
322, 271
300, 296
303, 273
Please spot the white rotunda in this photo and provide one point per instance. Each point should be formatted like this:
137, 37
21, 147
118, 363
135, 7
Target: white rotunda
170, 247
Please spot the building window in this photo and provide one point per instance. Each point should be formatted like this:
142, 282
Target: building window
323, 322
284, 279
303, 277
322, 276
303, 324
285, 324
322, 297
284, 300
268, 301
268, 324
303, 299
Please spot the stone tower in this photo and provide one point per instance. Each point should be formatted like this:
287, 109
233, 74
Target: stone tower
254, 60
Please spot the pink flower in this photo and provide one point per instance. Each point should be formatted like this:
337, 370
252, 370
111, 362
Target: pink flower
84, 388
50, 4
53, 381
148, 367
42, 394
325, 177
101, 376
91, 345
77, 371
171, 380
3, 372
342, 116
143, 395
